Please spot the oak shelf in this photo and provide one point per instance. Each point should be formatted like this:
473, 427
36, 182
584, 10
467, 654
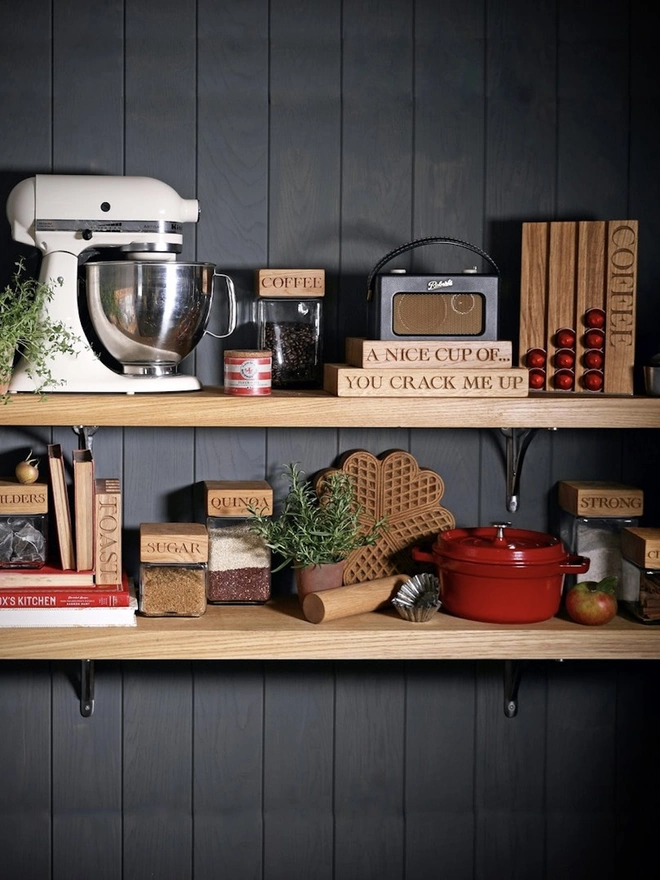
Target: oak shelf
278, 631
211, 407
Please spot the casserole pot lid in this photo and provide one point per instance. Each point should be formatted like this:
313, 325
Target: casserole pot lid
499, 544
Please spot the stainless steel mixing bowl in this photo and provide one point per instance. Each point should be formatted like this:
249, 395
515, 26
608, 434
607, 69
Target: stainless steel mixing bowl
150, 315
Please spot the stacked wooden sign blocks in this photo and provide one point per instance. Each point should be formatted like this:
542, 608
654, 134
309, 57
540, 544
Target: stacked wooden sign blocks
577, 305
416, 368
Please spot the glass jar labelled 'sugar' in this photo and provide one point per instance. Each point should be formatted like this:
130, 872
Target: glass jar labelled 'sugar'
290, 324
173, 569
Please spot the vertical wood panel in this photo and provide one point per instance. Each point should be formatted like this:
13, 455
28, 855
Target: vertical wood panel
305, 145
580, 783
228, 740
25, 757
157, 770
439, 769
369, 783
643, 182
593, 108
232, 162
87, 790
509, 775
449, 123
637, 773
88, 117
298, 767
376, 183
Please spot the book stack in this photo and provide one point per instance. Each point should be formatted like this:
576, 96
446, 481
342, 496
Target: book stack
392, 368
86, 585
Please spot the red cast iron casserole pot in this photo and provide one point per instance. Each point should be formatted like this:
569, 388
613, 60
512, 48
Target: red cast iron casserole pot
501, 575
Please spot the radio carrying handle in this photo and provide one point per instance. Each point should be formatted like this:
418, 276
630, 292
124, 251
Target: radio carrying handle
418, 242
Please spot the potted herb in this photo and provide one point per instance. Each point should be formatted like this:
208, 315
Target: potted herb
317, 529
27, 329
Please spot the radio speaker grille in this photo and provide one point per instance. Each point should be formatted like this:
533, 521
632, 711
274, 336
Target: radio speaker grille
438, 314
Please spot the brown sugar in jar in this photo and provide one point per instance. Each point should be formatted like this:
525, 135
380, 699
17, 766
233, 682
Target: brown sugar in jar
173, 569
173, 590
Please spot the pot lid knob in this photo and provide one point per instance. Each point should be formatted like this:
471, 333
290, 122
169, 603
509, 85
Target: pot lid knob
499, 534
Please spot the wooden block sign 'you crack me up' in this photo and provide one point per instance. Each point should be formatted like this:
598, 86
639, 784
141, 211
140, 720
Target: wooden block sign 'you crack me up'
346, 381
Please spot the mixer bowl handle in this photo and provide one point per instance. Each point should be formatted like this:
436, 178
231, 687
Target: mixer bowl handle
232, 306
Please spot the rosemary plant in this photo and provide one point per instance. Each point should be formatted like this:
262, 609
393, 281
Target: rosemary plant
26, 328
315, 527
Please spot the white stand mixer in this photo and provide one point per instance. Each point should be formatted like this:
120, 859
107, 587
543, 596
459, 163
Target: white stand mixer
63, 215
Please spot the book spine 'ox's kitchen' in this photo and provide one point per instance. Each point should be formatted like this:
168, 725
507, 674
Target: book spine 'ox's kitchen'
345, 381
419, 355
107, 529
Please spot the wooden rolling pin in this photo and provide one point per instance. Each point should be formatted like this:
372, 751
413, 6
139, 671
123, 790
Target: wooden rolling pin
352, 599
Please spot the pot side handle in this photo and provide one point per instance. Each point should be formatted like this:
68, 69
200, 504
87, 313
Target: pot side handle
420, 555
575, 565
232, 306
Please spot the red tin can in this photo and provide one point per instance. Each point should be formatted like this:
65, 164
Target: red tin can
248, 373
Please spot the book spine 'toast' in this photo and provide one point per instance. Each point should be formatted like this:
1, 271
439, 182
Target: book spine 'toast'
108, 519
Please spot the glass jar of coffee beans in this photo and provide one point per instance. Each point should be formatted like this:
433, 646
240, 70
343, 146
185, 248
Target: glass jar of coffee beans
290, 324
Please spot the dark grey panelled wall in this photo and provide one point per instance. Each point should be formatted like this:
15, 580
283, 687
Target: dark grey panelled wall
324, 134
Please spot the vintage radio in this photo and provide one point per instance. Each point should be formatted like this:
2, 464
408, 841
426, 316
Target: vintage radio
433, 307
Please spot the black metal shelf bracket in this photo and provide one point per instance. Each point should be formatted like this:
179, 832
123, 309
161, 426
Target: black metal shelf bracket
86, 688
517, 443
512, 675
85, 435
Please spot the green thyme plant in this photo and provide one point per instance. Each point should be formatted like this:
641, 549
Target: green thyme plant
26, 329
315, 527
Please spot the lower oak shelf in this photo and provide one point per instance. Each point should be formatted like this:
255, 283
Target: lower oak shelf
278, 631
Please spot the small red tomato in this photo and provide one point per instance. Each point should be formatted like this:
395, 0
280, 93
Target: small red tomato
594, 318
593, 380
565, 338
593, 359
536, 379
594, 338
563, 380
535, 357
565, 358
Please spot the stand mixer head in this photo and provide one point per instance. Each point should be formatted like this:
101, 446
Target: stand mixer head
142, 219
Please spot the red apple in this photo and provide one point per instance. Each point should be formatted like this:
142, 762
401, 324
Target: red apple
592, 603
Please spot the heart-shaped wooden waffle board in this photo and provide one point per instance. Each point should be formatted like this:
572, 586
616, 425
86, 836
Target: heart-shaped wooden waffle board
392, 485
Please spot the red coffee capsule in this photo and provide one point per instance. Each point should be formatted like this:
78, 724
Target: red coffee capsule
593, 359
565, 358
563, 380
592, 380
594, 338
594, 318
537, 379
565, 338
535, 357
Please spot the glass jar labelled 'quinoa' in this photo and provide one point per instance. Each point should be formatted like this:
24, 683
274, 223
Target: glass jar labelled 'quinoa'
173, 569
239, 561
289, 323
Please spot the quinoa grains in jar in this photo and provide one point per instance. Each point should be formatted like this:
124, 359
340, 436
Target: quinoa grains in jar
239, 561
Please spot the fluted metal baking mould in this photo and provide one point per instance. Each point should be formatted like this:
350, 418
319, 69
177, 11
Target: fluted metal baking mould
418, 599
